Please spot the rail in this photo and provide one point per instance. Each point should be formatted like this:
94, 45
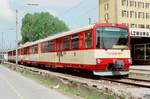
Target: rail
127, 82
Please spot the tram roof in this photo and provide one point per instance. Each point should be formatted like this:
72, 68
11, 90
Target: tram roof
58, 35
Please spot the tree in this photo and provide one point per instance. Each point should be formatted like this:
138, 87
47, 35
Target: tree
40, 25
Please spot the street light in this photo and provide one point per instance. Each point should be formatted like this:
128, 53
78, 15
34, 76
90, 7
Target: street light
30, 4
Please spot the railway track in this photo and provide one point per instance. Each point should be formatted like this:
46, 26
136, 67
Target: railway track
137, 79
130, 81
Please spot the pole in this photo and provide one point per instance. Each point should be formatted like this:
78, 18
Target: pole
89, 20
16, 36
1, 58
3, 47
17, 32
2, 43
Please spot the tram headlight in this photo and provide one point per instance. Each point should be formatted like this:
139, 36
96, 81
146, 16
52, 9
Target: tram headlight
130, 61
98, 61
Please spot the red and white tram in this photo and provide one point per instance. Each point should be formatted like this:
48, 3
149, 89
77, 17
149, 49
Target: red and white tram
101, 48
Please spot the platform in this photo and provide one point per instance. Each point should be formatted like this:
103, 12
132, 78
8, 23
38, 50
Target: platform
140, 72
140, 67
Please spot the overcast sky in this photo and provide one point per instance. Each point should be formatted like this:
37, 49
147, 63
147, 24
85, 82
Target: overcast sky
74, 12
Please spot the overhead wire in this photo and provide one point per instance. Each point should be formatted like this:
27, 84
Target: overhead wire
85, 13
76, 17
69, 9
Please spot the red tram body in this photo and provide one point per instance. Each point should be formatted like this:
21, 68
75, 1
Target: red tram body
101, 48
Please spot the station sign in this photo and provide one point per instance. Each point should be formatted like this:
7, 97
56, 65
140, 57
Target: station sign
138, 32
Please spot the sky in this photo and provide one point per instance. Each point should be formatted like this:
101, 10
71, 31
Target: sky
75, 13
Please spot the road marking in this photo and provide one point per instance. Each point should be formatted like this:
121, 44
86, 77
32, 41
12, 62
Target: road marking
12, 87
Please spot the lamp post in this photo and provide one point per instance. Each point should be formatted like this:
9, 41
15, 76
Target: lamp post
16, 36
2, 50
89, 20
30, 4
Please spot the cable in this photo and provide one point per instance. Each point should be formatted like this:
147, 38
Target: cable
85, 13
69, 9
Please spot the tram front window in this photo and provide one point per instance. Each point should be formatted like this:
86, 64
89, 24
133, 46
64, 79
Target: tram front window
112, 37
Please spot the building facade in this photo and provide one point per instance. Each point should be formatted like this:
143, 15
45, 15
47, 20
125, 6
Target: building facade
136, 15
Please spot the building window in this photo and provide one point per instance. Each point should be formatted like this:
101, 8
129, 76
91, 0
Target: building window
75, 41
106, 17
132, 14
125, 2
141, 15
135, 4
124, 13
132, 4
142, 52
147, 5
133, 25
135, 13
66, 42
148, 26
139, 52
147, 15
148, 51
141, 26
140, 4
88, 39
106, 6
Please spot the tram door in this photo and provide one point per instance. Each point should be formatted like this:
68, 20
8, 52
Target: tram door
59, 48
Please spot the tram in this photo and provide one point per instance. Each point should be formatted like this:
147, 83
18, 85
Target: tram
103, 49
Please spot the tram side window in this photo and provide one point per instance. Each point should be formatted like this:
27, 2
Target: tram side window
22, 51
14, 52
35, 49
30, 50
9, 53
59, 44
88, 39
66, 42
51, 45
19, 52
45, 47
75, 41
25, 51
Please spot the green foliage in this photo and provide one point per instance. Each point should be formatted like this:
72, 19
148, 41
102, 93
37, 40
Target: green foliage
40, 25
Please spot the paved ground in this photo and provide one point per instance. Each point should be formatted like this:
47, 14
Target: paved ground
140, 67
15, 86
140, 72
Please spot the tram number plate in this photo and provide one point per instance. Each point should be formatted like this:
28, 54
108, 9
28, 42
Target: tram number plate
119, 63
